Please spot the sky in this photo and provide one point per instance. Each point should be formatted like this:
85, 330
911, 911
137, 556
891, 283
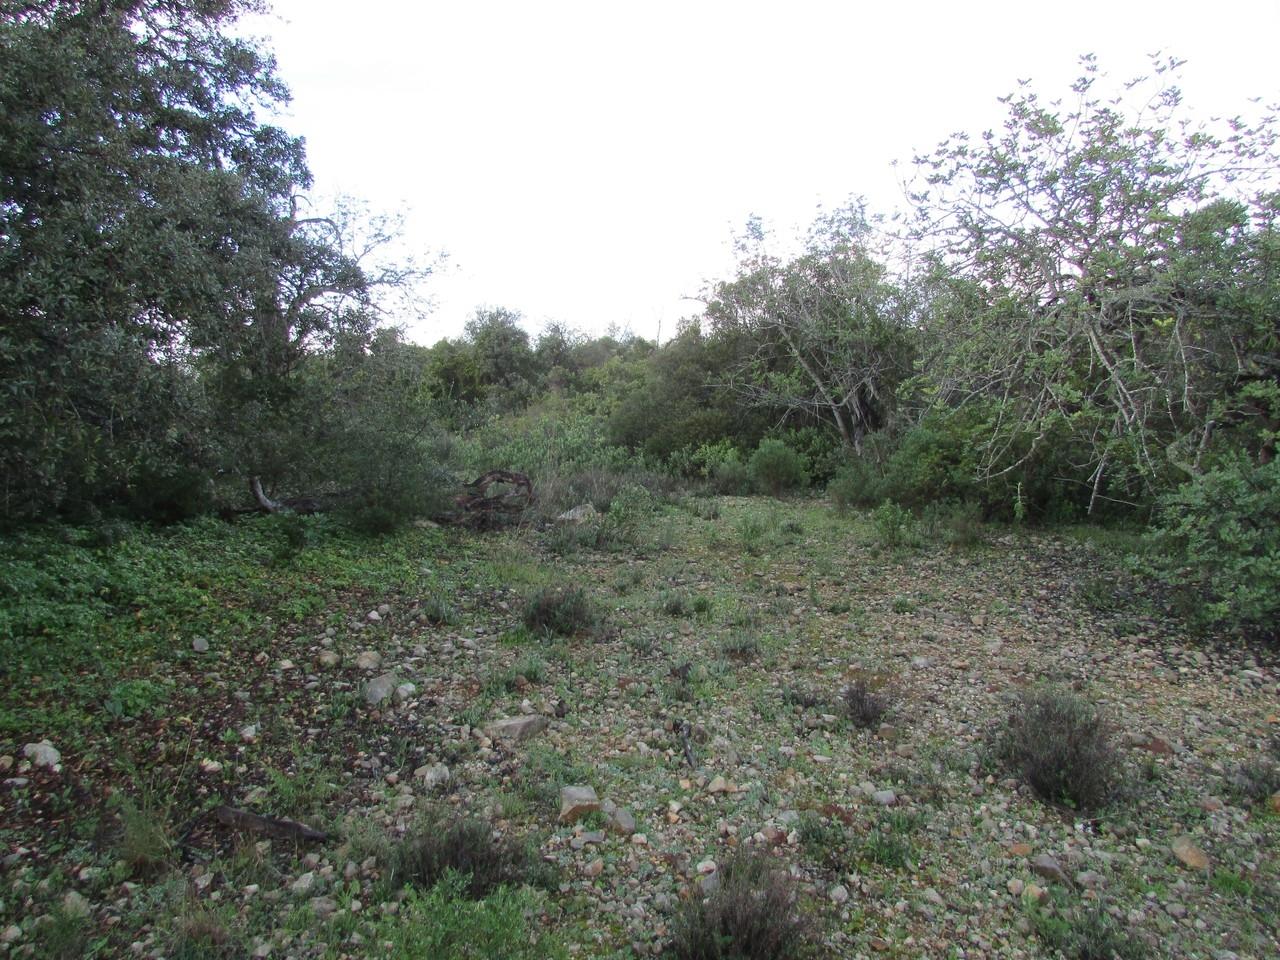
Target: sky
589, 162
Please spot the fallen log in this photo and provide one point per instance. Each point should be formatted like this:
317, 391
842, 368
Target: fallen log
273, 827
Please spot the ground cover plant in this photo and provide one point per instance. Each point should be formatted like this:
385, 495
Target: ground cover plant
253, 680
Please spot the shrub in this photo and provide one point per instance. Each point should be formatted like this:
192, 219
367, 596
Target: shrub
145, 843
956, 524
776, 468
862, 706
436, 609
562, 610
1214, 541
752, 914
1060, 745
895, 526
466, 847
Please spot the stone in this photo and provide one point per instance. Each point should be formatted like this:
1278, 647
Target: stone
11, 934
200, 645
1192, 857
707, 866
43, 754
1273, 802
934, 897
374, 616
210, 766
518, 729
379, 689
594, 868
886, 798
621, 821
1036, 892
75, 905
303, 884
577, 802
1020, 850
839, 893
405, 691
1049, 868
1015, 887
328, 658
1089, 879
719, 784
584, 513
369, 660
324, 907
434, 776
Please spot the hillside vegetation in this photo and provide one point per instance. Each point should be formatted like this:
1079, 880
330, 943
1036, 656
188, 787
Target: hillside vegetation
917, 598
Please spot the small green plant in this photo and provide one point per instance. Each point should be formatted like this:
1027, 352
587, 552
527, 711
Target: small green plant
751, 915
1060, 745
145, 842
1080, 932
674, 603
1255, 780
740, 647
436, 609
887, 848
469, 849
751, 534
200, 934
861, 705
447, 923
562, 611
903, 605
894, 525
824, 841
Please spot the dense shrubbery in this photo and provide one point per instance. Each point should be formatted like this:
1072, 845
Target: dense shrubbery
1060, 745
1215, 541
777, 469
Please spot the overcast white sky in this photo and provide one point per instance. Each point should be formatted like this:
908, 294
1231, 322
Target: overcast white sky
588, 161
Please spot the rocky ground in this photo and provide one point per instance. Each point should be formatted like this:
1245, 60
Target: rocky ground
703, 715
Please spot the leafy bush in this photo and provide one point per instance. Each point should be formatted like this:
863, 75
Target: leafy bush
957, 524
1214, 542
855, 485
862, 706
752, 915
468, 849
894, 525
1060, 745
562, 610
776, 468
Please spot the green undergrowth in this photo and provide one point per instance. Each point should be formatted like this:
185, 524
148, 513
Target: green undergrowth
88, 617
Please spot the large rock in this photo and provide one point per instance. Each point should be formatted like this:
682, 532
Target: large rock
42, 754
369, 660
379, 689
516, 728
1191, 856
585, 513
577, 802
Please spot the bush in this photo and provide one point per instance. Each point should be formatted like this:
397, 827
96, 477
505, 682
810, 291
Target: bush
752, 914
1060, 745
958, 525
465, 847
561, 610
856, 485
894, 525
862, 706
1214, 541
776, 468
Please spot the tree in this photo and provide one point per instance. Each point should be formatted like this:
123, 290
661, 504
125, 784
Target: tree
133, 173
1106, 280
828, 332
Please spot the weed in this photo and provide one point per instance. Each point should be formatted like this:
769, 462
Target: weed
751, 915
861, 705
1083, 933
562, 610
824, 841
437, 610
674, 603
202, 935
446, 923
887, 848
751, 535
903, 605
466, 847
1060, 745
1255, 780
145, 843
801, 697
64, 935
741, 647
